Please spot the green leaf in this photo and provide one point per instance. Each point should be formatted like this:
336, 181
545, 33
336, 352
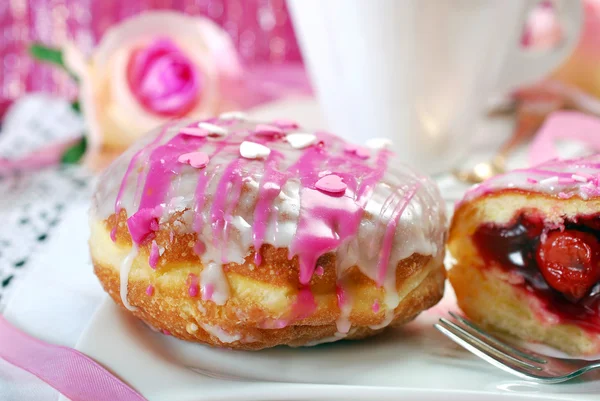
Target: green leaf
76, 107
75, 152
48, 54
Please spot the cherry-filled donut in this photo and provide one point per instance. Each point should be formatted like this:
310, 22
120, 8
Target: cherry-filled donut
526, 254
250, 234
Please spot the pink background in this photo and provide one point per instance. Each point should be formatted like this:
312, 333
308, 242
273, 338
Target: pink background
261, 30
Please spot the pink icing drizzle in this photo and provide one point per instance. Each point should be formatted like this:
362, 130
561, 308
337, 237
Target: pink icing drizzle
154, 254
193, 287
150, 290
132, 166
207, 292
304, 305
375, 307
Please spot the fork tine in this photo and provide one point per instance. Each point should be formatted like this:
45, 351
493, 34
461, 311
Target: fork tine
500, 344
481, 344
491, 358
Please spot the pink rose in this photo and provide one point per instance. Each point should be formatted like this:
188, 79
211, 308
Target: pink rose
149, 69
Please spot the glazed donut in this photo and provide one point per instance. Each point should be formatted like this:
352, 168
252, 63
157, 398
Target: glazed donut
526, 254
249, 235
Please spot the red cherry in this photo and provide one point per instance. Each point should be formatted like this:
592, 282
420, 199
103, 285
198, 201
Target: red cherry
569, 261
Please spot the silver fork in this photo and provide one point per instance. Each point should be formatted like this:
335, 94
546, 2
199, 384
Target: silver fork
523, 363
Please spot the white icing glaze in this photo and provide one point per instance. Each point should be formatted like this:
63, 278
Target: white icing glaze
561, 178
212, 275
221, 334
124, 277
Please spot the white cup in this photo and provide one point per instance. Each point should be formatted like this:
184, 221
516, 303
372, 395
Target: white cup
419, 72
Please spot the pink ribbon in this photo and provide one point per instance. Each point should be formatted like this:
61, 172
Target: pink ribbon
73, 374
570, 125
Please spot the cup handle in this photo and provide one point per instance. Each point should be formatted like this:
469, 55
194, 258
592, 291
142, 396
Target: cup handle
527, 66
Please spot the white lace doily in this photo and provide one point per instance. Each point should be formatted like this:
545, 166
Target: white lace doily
32, 203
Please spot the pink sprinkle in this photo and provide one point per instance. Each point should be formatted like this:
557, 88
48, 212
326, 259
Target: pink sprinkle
193, 288
319, 271
194, 159
171, 236
154, 225
207, 291
285, 124
154, 254
375, 306
194, 131
332, 184
265, 129
150, 290
113, 234
532, 180
563, 195
166, 332
341, 296
359, 151
565, 180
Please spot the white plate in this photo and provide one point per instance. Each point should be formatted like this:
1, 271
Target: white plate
410, 363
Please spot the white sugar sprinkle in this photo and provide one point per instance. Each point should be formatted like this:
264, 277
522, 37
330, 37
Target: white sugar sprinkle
579, 178
253, 150
212, 128
378, 143
233, 115
301, 140
551, 180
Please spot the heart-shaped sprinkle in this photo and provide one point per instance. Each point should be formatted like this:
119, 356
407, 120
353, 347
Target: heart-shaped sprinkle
285, 124
300, 140
192, 131
332, 184
379, 143
359, 151
194, 159
233, 115
253, 150
212, 128
266, 129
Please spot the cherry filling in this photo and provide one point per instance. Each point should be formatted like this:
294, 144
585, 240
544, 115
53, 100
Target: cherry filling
561, 267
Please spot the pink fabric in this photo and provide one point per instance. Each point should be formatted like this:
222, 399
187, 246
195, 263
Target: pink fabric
570, 125
73, 374
261, 30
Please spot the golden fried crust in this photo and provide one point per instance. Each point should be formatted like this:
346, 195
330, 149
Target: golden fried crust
260, 295
485, 293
